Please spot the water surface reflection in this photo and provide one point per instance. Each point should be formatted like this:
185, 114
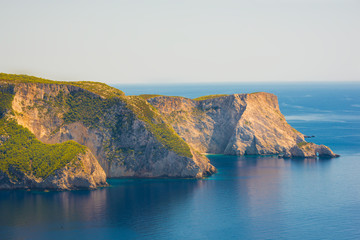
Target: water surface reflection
250, 197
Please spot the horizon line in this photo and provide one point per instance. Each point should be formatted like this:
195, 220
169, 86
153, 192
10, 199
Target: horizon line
178, 82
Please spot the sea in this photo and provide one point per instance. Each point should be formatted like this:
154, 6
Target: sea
251, 197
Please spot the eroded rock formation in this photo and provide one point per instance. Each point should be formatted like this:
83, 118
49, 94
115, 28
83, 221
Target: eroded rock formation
235, 124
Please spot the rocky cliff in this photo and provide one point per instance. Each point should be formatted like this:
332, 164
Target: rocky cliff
127, 136
233, 124
25, 162
83, 173
68, 135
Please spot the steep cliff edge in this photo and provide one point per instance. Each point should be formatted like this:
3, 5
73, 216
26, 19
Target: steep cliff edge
232, 124
127, 136
69, 135
25, 162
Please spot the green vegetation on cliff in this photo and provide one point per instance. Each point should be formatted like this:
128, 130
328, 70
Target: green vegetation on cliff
148, 96
163, 133
89, 108
6, 97
21, 151
302, 144
86, 108
98, 88
210, 97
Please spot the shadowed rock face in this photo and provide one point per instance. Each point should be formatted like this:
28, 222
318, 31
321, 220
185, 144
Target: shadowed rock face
205, 125
235, 124
121, 141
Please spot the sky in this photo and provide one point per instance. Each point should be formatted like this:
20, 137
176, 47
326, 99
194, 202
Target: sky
176, 41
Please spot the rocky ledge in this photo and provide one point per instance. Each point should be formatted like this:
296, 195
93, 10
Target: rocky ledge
310, 150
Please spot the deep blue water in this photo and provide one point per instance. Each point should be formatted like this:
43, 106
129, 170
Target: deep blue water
249, 198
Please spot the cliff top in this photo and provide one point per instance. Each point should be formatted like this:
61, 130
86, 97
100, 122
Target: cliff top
89, 107
138, 104
96, 87
149, 96
203, 98
210, 97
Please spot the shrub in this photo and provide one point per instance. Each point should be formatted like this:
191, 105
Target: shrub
210, 97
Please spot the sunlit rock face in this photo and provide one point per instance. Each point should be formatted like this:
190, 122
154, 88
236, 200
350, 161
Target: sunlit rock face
310, 150
153, 136
124, 144
236, 124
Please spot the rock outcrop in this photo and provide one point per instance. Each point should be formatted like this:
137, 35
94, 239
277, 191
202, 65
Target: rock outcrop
85, 173
310, 150
239, 124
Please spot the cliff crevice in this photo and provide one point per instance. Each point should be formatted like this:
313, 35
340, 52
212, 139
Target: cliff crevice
238, 124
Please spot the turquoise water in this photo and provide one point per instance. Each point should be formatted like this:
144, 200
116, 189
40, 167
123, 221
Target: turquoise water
249, 198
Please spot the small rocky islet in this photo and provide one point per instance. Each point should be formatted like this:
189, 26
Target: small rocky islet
74, 135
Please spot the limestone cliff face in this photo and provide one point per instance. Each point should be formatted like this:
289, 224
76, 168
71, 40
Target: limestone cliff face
127, 136
124, 144
84, 173
235, 124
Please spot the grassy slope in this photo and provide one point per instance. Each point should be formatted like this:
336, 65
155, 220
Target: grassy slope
86, 108
148, 96
21, 150
302, 144
98, 88
210, 97
89, 109
163, 133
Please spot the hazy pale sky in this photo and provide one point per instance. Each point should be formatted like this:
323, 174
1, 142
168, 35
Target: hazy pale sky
182, 40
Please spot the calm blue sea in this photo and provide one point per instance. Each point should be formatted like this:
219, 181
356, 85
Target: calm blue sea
249, 198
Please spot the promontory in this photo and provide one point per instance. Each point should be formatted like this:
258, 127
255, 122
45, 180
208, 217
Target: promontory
73, 135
